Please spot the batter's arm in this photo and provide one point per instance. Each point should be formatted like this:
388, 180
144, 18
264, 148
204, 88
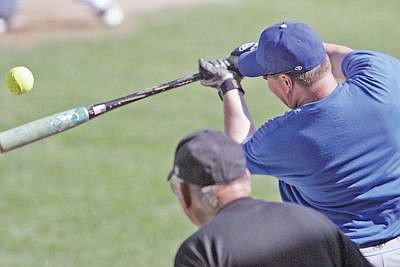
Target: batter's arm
238, 123
336, 54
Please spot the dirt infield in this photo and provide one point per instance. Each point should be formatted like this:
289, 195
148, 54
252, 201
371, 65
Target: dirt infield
40, 20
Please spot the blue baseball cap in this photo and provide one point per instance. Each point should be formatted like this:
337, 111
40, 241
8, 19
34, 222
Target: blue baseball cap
282, 48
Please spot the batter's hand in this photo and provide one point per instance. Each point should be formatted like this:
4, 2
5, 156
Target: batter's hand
235, 54
215, 72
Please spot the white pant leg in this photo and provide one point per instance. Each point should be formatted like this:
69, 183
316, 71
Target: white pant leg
384, 255
111, 13
8, 8
98, 5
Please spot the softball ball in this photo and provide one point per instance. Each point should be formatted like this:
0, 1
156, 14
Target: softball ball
19, 80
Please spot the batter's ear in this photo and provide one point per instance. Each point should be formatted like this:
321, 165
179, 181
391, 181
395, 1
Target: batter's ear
247, 173
288, 82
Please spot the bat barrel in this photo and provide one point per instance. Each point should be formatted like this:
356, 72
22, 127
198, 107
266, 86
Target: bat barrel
41, 128
53, 124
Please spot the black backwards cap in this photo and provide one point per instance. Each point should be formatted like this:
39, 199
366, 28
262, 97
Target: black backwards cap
208, 157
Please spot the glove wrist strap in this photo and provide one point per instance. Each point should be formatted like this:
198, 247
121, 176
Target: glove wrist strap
228, 85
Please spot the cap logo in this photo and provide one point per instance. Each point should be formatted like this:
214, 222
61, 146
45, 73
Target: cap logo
298, 68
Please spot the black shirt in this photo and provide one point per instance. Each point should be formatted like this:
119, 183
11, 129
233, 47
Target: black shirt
249, 232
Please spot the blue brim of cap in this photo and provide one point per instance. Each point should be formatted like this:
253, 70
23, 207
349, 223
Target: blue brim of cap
248, 65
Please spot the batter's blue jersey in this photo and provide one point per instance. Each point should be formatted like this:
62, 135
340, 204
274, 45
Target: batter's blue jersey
341, 155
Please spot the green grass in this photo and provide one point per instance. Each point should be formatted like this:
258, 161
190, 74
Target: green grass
97, 195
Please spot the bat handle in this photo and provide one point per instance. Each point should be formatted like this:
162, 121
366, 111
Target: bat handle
41, 128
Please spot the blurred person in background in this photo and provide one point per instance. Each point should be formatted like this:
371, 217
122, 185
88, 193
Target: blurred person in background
7, 10
109, 12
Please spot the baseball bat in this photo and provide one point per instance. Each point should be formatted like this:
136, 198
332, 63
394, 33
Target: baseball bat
60, 122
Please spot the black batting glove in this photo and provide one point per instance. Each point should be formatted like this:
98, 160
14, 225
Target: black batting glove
233, 58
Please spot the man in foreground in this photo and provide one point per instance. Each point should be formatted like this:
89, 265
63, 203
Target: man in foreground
212, 183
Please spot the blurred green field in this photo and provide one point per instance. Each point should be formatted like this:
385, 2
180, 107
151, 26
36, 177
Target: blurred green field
96, 195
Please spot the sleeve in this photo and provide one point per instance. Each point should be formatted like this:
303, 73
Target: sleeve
273, 150
267, 150
371, 71
359, 63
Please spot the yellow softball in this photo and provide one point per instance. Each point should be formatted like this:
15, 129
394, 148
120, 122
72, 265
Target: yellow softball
19, 80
